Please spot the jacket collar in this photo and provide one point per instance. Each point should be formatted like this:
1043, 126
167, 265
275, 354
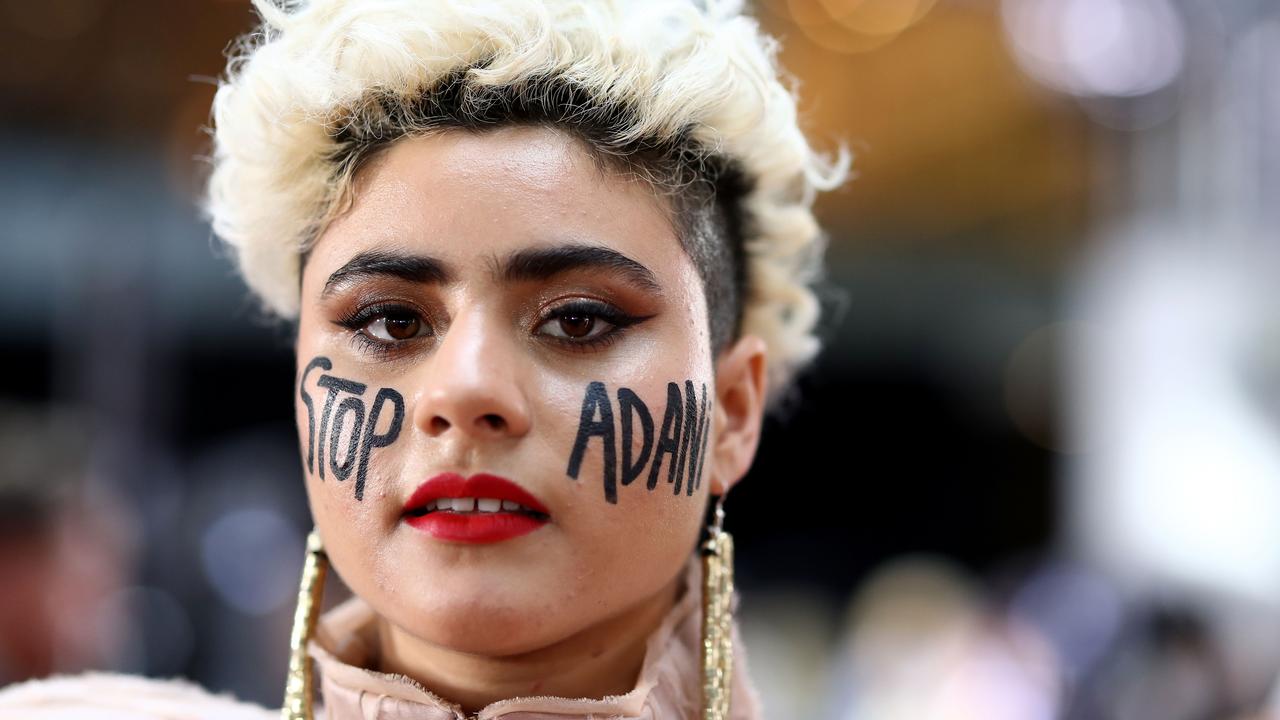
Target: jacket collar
668, 686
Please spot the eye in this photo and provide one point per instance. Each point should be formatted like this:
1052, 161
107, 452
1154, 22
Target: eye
585, 322
575, 326
395, 327
385, 326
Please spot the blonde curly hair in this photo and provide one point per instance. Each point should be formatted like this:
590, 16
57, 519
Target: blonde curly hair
686, 95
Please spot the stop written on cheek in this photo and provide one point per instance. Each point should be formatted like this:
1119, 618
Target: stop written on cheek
349, 443
680, 443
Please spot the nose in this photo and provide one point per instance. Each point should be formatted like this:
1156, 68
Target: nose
471, 384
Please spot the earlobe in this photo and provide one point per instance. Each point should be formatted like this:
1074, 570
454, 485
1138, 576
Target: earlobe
739, 414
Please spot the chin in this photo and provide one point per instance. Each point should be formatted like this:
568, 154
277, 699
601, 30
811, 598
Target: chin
481, 628
484, 610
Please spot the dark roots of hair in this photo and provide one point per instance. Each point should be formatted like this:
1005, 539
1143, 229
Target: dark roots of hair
705, 191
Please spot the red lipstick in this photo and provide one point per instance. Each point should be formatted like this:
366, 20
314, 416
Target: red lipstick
480, 509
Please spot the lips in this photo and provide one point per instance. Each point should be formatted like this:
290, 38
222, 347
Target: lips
481, 509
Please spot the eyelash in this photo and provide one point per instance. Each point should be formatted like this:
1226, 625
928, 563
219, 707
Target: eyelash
618, 320
358, 320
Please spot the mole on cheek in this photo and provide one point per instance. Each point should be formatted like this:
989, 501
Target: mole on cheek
350, 431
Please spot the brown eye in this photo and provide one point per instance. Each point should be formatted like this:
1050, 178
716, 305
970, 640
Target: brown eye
585, 322
576, 326
403, 328
392, 328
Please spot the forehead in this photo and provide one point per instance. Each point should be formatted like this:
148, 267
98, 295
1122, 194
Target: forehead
467, 196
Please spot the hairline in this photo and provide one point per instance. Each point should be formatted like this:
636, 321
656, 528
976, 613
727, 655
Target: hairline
354, 163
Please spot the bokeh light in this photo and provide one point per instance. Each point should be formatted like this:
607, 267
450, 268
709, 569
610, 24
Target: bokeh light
1111, 48
247, 555
852, 26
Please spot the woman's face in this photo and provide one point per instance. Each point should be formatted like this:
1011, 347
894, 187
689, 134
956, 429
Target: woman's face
495, 307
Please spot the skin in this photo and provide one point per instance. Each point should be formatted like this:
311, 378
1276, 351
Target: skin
491, 385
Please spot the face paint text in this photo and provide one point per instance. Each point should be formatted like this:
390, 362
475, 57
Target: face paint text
681, 441
362, 437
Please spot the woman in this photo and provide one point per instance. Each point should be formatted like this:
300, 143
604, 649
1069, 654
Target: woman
549, 263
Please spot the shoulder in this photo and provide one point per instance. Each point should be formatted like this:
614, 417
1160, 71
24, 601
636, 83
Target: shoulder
102, 696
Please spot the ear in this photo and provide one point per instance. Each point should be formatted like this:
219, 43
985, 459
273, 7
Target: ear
740, 402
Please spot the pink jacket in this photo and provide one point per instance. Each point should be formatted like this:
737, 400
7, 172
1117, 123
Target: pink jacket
668, 688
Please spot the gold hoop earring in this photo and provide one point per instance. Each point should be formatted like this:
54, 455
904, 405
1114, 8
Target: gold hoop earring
717, 618
298, 692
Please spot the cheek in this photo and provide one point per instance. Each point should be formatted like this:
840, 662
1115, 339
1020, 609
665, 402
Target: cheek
636, 456
638, 546
648, 439
347, 432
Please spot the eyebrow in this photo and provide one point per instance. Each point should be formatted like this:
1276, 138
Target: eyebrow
526, 265
544, 263
379, 263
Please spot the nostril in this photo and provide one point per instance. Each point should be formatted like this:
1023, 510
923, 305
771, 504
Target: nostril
439, 425
494, 421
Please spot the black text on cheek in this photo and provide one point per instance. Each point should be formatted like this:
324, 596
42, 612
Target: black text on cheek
362, 437
680, 446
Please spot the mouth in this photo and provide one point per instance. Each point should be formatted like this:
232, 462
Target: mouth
481, 509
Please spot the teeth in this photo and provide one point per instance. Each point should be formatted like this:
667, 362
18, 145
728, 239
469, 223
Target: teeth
471, 505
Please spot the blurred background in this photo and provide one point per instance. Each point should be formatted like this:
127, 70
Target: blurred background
1036, 472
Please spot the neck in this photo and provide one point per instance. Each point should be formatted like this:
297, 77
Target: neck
601, 660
